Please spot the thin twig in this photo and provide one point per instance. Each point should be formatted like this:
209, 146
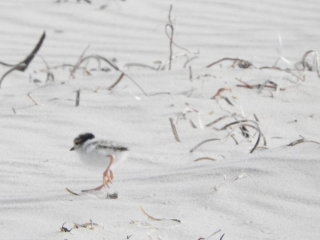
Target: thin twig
33, 100
140, 65
241, 63
203, 142
170, 25
25, 63
78, 98
134, 82
301, 141
79, 61
243, 123
157, 219
174, 130
218, 120
220, 91
190, 73
204, 158
72, 192
116, 82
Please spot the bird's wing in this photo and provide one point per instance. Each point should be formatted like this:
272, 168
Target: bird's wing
91, 147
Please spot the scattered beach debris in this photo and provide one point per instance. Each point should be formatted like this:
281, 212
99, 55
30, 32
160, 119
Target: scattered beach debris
85, 192
90, 225
64, 229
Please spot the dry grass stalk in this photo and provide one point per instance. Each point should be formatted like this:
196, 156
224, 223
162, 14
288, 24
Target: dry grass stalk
22, 66
98, 58
78, 98
141, 65
157, 219
72, 192
49, 73
301, 141
170, 25
190, 74
79, 61
261, 86
116, 82
220, 91
315, 65
33, 100
219, 119
233, 137
204, 158
240, 62
134, 82
189, 59
192, 123
174, 130
203, 142
251, 124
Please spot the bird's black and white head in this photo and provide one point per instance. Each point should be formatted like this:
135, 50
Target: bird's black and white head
81, 139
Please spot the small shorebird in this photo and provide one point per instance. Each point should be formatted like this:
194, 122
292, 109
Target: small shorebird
100, 153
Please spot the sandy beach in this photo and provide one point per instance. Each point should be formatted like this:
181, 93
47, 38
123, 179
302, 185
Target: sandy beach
244, 162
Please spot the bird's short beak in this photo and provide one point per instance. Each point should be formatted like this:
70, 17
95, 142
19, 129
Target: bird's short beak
72, 149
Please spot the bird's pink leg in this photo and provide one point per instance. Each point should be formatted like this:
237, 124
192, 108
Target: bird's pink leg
107, 176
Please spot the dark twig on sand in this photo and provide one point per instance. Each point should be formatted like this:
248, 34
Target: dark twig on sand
251, 124
190, 73
22, 66
157, 219
170, 25
78, 98
220, 91
174, 130
79, 61
204, 158
301, 141
203, 142
316, 63
240, 62
116, 82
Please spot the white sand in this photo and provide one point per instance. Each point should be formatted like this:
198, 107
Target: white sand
272, 193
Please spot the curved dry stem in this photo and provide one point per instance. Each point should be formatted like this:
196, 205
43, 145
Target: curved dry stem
140, 65
219, 119
301, 141
204, 158
315, 61
244, 123
203, 142
241, 63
